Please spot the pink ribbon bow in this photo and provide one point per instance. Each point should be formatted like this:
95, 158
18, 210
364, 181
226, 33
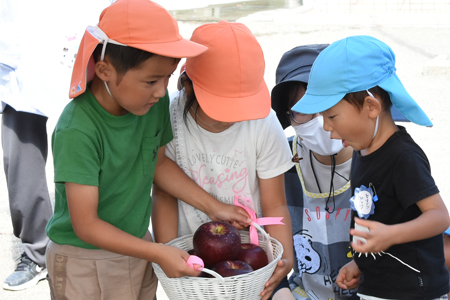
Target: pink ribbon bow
259, 221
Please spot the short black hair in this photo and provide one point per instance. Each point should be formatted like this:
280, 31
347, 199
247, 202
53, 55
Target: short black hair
123, 58
357, 98
287, 93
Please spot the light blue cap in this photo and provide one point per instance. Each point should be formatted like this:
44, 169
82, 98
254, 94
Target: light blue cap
447, 232
354, 64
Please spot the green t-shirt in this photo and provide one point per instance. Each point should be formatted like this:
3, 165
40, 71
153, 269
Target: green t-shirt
116, 153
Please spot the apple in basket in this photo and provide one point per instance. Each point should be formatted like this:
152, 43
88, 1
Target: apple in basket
216, 241
232, 268
254, 255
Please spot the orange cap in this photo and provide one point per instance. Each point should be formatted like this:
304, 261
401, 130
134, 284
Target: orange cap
141, 24
228, 79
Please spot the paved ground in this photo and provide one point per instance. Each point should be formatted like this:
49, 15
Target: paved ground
421, 43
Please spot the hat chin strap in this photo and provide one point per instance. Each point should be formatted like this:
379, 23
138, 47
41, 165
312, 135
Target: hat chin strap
102, 38
376, 124
107, 88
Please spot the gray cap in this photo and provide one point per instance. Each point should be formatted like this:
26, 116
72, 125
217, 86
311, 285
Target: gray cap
294, 66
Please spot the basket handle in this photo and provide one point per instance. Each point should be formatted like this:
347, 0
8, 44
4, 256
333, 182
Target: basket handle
269, 247
197, 263
260, 221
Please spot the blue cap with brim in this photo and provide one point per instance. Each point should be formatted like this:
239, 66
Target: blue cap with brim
356, 64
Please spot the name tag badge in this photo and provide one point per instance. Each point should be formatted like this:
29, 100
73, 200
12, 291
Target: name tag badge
363, 202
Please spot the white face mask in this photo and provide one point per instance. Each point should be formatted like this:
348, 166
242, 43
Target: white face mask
316, 138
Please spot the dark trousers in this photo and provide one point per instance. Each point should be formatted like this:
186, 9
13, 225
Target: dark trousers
25, 148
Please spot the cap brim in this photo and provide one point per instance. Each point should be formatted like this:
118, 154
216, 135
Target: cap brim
177, 49
237, 109
405, 107
404, 102
312, 104
83, 70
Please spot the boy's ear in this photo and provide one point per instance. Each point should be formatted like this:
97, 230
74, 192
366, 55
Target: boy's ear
373, 106
103, 70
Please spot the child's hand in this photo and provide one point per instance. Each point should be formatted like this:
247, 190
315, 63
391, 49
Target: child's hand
348, 277
378, 238
280, 272
235, 215
239, 225
173, 262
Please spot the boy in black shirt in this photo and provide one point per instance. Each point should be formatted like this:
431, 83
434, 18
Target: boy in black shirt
398, 212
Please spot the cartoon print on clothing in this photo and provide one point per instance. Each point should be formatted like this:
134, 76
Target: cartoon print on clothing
321, 245
308, 259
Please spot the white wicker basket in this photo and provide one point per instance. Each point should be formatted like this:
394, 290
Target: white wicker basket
246, 287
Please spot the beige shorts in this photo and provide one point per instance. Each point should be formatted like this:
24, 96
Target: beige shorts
77, 273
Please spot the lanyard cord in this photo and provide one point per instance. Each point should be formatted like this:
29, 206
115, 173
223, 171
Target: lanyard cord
333, 170
331, 193
314, 172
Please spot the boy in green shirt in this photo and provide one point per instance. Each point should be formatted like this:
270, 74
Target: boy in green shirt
108, 149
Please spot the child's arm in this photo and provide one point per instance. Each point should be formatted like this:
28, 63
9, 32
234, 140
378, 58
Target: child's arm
273, 204
83, 203
164, 215
434, 220
348, 277
170, 178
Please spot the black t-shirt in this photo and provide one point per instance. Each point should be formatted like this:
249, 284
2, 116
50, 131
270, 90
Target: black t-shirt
400, 173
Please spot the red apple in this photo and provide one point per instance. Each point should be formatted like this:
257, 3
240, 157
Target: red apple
192, 252
254, 255
216, 241
232, 268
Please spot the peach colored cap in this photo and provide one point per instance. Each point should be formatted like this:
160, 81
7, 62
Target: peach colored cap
228, 79
141, 24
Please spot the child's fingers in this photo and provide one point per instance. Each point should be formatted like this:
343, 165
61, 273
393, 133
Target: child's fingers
361, 248
364, 222
352, 283
244, 217
342, 279
274, 280
349, 285
239, 225
363, 234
